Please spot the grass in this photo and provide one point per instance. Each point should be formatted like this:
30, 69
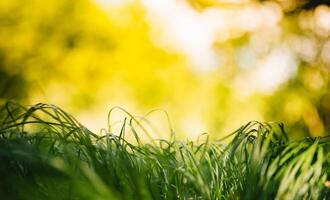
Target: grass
46, 154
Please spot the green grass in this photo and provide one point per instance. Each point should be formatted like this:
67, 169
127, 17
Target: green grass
46, 154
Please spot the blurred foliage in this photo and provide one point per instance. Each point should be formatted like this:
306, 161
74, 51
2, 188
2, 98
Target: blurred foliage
87, 57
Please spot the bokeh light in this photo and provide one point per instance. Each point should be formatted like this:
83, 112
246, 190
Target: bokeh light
212, 65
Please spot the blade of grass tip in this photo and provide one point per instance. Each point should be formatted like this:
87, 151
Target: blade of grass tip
66, 115
40, 107
63, 119
11, 113
131, 121
240, 130
201, 135
122, 131
205, 149
27, 114
50, 124
167, 118
59, 115
283, 132
106, 135
135, 133
151, 125
143, 129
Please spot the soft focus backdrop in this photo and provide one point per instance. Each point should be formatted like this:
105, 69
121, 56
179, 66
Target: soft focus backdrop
213, 65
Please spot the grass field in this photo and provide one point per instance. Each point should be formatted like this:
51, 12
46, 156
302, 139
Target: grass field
46, 154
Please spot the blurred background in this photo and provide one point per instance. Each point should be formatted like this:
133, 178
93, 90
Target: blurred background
213, 65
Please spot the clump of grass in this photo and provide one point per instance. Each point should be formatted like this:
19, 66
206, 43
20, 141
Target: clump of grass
46, 154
